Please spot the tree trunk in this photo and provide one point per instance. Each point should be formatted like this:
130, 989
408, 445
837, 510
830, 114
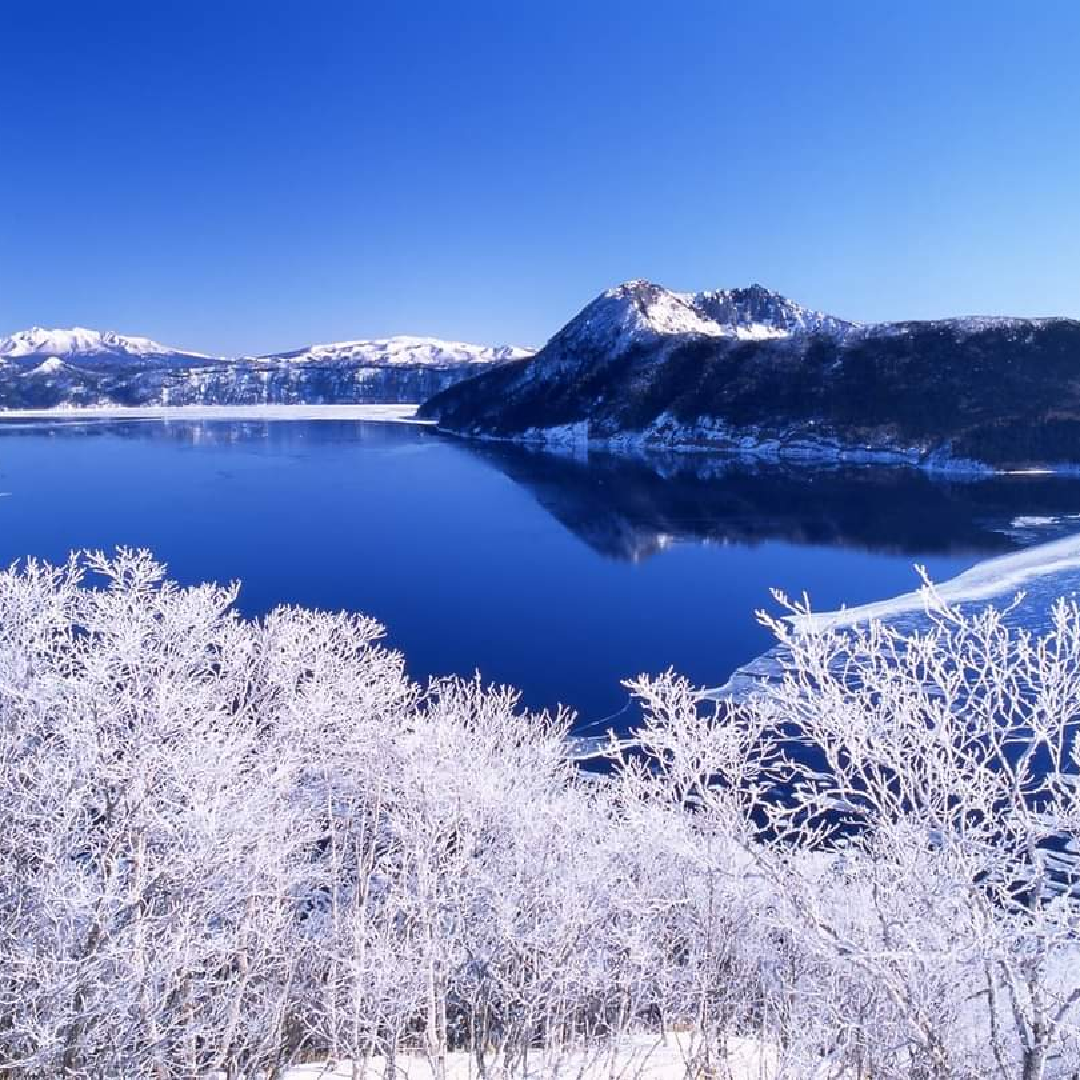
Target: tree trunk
1034, 1063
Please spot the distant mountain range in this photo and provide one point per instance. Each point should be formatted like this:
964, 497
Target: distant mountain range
92, 347
750, 372
48, 368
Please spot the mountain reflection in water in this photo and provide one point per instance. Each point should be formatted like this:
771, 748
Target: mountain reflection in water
633, 507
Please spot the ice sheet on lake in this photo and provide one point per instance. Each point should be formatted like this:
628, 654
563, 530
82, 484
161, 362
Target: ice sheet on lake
1041, 573
386, 413
1000, 576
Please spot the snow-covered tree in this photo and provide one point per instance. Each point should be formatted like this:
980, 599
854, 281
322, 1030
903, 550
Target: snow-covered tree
908, 801
227, 845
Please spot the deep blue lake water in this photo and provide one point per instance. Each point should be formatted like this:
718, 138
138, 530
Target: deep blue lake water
558, 576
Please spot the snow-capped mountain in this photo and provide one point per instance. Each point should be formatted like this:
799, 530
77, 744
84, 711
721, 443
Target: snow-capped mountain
91, 347
748, 371
640, 316
45, 368
638, 311
401, 350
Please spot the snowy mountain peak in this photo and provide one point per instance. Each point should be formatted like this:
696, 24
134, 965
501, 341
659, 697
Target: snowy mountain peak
81, 343
758, 312
400, 350
639, 309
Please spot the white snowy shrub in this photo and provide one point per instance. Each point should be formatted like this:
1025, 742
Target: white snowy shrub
908, 803
230, 845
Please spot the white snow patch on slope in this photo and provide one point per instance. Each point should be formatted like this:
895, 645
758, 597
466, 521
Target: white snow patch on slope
662, 312
48, 367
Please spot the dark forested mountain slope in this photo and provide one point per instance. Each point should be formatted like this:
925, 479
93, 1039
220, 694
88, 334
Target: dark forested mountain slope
750, 372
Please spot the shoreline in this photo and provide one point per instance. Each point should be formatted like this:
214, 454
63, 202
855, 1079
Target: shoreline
394, 414
574, 439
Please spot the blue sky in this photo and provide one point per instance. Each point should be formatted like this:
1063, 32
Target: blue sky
236, 176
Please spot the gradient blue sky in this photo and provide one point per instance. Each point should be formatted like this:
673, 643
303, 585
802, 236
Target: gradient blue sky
237, 176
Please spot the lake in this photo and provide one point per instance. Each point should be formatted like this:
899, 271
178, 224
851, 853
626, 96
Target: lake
558, 575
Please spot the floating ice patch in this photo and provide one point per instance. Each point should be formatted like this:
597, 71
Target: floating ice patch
1031, 528
1034, 521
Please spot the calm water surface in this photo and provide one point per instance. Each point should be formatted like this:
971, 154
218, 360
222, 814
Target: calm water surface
558, 576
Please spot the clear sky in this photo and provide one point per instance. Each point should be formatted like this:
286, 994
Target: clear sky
242, 176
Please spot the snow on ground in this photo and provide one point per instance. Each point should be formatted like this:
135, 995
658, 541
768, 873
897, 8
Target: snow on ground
48, 367
646, 1058
402, 414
